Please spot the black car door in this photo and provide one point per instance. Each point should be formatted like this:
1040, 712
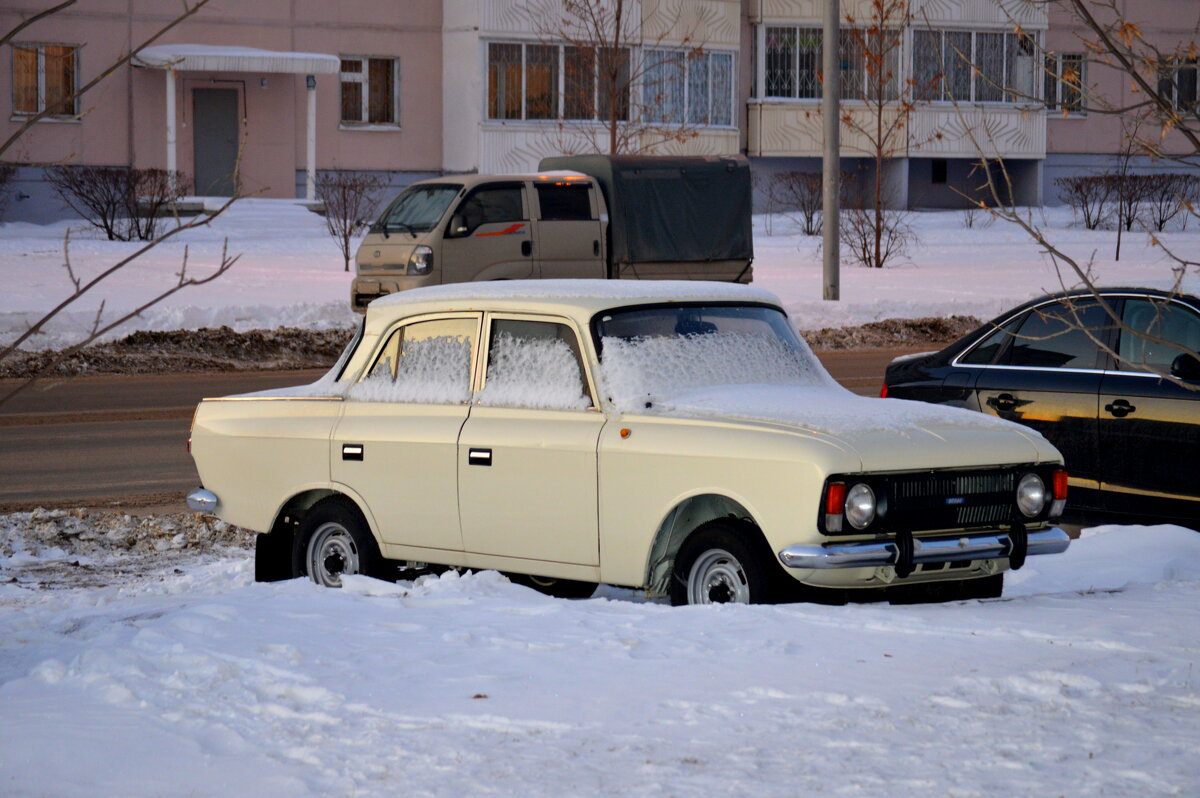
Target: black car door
1149, 428
1048, 377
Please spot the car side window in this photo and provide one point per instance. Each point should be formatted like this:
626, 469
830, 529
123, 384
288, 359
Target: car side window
426, 362
489, 203
1147, 319
1057, 336
569, 202
534, 364
987, 350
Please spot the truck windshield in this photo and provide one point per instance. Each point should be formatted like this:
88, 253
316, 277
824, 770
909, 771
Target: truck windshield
418, 209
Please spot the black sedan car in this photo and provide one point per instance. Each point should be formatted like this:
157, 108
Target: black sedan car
1088, 373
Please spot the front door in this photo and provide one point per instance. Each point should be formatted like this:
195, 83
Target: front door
489, 236
215, 133
527, 454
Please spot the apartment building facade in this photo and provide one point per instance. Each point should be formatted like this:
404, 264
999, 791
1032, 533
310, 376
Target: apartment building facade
284, 89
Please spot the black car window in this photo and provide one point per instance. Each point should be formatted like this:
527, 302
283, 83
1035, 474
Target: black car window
991, 346
1162, 319
1060, 336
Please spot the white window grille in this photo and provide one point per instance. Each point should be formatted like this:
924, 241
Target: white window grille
1065, 78
1178, 84
45, 78
370, 90
793, 63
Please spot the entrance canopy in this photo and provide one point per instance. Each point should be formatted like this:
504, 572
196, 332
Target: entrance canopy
217, 58
172, 58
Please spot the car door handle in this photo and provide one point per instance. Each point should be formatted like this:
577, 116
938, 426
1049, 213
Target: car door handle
1120, 408
479, 457
1004, 402
352, 451
596, 248
526, 247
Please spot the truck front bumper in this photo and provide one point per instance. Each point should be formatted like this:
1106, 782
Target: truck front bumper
873, 553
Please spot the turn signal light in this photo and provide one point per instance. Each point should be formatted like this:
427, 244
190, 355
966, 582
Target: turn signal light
1058, 490
835, 504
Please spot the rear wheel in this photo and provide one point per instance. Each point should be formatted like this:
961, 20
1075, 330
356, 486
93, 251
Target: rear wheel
723, 562
333, 541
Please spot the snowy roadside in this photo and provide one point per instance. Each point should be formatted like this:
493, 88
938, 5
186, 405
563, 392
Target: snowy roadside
190, 679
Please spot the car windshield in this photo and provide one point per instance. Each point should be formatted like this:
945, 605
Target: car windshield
650, 353
419, 208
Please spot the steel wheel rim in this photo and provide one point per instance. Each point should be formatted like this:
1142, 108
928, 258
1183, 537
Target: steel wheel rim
717, 577
331, 553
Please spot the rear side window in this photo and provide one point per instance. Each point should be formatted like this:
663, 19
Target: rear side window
1060, 336
426, 362
1148, 320
991, 346
569, 202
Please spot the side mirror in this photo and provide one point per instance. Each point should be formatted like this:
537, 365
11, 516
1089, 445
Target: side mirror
1186, 367
458, 226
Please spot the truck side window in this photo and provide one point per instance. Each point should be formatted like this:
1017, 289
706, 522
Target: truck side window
569, 202
494, 202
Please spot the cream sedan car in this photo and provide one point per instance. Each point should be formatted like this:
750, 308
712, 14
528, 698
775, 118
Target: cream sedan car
675, 437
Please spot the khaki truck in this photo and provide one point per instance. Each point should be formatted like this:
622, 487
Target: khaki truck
585, 216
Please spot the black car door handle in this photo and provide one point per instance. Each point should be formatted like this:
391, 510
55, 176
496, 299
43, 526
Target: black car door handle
1005, 402
526, 247
1120, 408
479, 457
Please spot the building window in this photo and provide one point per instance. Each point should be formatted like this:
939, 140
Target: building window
1178, 85
973, 66
793, 56
370, 90
45, 78
682, 87
1066, 75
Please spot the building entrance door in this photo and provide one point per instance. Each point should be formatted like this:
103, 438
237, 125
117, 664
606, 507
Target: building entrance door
215, 141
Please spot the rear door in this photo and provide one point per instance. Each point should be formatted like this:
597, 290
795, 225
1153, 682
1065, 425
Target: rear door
1150, 426
570, 234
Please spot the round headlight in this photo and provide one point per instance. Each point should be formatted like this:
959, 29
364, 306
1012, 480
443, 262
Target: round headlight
1031, 495
860, 506
421, 260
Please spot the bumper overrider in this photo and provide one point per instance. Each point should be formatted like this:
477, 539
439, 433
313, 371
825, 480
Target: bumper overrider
202, 501
906, 550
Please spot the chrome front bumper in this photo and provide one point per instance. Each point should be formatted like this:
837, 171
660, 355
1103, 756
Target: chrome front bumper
872, 553
202, 501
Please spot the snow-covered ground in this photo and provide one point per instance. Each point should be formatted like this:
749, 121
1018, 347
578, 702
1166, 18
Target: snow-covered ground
188, 679
290, 272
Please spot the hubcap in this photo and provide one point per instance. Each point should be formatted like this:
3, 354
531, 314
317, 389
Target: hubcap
718, 578
331, 553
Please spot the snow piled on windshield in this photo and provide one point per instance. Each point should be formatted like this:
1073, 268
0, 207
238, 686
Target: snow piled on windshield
755, 378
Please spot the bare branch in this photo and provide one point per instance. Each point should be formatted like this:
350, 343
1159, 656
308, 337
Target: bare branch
8, 37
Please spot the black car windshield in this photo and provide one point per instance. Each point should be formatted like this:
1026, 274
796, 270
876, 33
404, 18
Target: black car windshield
419, 208
673, 349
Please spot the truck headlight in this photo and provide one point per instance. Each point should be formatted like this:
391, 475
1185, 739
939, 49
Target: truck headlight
860, 506
1031, 495
421, 260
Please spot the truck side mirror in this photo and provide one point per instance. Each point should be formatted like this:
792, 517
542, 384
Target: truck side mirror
1186, 367
458, 226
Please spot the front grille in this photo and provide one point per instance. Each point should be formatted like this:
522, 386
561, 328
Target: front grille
948, 500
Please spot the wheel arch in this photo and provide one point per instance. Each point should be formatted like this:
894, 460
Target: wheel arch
683, 519
292, 511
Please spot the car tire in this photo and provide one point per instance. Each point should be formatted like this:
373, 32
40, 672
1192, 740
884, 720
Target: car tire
559, 588
723, 562
332, 541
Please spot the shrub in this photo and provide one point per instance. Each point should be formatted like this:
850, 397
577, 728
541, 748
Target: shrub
125, 203
350, 199
1087, 195
859, 227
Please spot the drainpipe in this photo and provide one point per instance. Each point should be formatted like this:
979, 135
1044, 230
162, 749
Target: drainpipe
310, 183
171, 163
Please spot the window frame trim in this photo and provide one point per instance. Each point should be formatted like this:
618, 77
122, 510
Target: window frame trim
363, 79
485, 352
40, 104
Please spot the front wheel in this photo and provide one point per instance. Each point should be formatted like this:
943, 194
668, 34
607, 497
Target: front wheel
721, 563
332, 542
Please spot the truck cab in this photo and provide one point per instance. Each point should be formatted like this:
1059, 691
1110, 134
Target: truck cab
484, 227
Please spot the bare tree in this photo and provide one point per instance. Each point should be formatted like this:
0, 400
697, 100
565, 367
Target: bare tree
79, 288
617, 79
872, 47
350, 200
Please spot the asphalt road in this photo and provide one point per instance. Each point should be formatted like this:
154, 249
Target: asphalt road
121, 441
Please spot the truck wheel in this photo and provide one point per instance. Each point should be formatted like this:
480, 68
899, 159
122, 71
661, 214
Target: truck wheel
559, 588
720, 563
333, 540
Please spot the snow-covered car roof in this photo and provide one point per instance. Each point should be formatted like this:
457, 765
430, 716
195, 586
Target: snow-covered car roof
579, 299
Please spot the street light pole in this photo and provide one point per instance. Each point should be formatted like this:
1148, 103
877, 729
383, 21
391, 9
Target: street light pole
831, 89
